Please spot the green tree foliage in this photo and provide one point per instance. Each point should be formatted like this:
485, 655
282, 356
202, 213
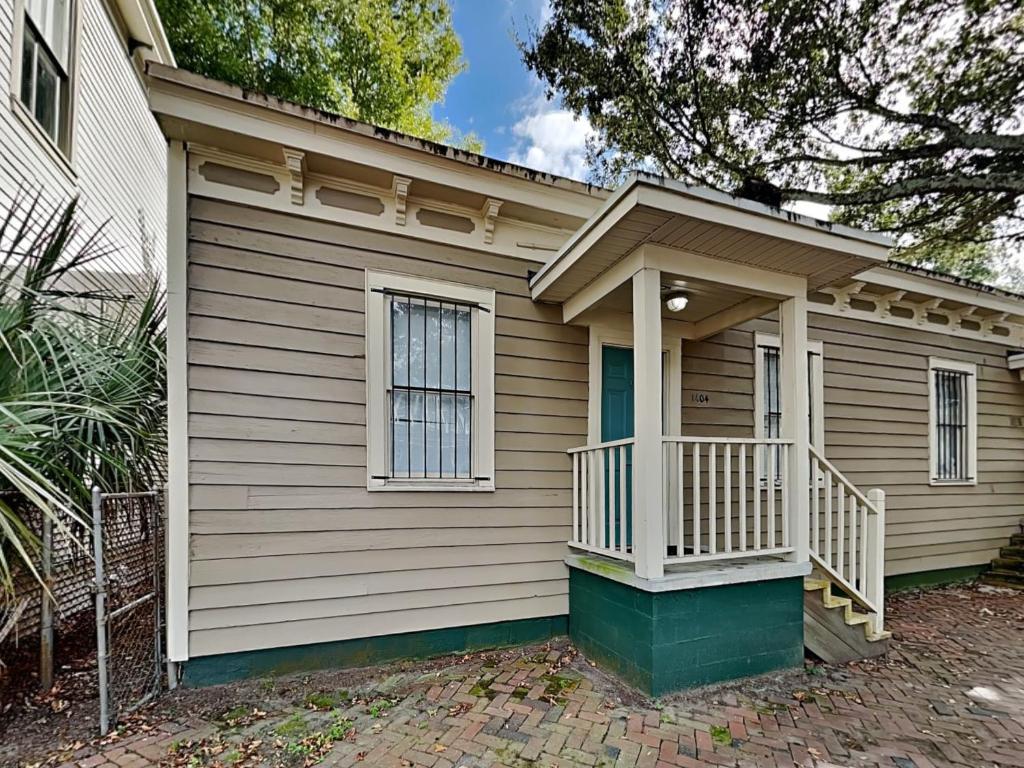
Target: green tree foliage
82, 380
905, 115
386, 62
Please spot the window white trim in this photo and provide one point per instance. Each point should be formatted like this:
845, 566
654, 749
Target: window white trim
971, 387
604, 335
378, 372
815, 362
59, 149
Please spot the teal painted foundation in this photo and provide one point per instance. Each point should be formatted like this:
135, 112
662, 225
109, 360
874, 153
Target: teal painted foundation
667, 641
934, 578
225, 667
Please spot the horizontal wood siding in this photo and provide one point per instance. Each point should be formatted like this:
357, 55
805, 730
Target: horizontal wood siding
287, 546
876, 433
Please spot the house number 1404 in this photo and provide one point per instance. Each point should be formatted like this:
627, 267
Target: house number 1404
700, 397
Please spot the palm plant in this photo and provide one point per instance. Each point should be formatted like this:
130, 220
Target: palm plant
82, 380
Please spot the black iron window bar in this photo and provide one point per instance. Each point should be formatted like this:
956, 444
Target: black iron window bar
951, 425
453, 399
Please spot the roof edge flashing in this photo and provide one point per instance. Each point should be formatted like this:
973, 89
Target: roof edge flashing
708, 195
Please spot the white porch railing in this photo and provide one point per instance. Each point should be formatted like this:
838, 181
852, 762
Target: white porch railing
847, 537
725, 498
722, 498
602, 498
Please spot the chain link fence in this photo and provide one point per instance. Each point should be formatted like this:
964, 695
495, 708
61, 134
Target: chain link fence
33, 622
128, 548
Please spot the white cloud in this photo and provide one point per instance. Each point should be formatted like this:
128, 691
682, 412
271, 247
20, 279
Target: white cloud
551, 139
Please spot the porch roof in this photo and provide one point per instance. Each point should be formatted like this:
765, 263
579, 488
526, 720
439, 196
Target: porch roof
653, 209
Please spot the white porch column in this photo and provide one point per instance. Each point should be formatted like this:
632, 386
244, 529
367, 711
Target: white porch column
648, 526
793, 362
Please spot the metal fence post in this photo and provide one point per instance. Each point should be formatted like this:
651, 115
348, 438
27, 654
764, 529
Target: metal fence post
101, 610
46, 608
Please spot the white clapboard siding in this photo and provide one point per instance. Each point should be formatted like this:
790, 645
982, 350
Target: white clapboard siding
287, 544
118, 154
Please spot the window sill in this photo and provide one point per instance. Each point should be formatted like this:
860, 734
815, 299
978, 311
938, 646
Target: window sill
56, 154
962, 483
430, 486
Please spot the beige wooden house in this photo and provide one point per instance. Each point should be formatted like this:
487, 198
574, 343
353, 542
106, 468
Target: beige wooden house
423, 401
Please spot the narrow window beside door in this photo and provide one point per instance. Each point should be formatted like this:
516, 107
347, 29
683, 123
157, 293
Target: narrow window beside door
768, 403
952, 421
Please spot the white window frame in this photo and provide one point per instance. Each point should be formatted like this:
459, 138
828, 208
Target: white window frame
971, 387
59, 147
378, 374
815, 363
816, 393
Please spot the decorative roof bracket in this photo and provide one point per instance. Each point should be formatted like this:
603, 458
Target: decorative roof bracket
843, 295
957, 317
400, 189
921, 310
883, 303
490, 214
295, 162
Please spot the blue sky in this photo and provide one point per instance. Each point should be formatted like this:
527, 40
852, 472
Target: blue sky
500, 100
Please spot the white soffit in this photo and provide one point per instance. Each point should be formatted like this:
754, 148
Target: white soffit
650, 209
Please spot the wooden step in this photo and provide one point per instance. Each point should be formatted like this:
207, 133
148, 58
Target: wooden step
1012, 552
834, 631
1015, 564
998, 577
1017, 540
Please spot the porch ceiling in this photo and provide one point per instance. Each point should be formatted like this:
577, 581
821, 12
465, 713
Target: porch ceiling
651, 209
706, 300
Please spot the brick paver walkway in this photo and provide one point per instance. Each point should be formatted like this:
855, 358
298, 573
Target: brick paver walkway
951, 693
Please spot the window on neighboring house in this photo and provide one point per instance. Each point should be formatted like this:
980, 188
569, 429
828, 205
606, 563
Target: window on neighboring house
952, 421
44, 80
430, 370
768, 395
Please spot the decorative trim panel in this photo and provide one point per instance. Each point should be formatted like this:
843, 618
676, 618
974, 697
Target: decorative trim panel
892, 308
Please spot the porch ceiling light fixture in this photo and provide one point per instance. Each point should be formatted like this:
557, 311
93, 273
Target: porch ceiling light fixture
676, 302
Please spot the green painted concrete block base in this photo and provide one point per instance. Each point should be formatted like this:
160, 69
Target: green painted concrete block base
223, 668
667, 641
934, 578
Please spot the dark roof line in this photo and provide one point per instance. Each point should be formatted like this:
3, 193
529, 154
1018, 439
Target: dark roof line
398, 138
945, 277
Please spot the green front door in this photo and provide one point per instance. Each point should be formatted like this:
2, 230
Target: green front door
617, 424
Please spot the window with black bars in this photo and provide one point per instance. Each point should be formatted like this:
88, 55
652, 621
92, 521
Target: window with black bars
951, 424
773, 402
431, 393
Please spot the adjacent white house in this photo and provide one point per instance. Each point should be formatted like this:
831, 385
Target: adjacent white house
75, 122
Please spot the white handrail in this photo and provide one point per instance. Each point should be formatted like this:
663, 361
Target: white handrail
598, 446
727, 440
842, 479
847, 535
